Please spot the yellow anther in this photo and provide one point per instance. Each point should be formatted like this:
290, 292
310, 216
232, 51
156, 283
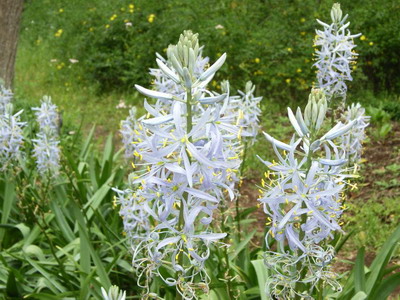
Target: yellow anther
184, 238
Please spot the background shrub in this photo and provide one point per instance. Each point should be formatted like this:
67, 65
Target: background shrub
268, 42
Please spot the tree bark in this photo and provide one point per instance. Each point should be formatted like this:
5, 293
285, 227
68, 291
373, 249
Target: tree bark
10, 17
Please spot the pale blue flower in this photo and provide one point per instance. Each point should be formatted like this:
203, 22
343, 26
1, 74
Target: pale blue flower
302, 196
186, 159
335, 54
352, 141
6, 96
11, 136
47, 116
46, 144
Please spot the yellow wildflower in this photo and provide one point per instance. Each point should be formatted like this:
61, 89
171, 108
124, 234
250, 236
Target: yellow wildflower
61, 10
289, 49
298, 70
288, 80
151, 18
113, 17
257, 60
302, 20
371, 43
363, 38
107, 26
58, 33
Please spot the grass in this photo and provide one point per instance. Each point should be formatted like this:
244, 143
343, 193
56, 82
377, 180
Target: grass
77, 100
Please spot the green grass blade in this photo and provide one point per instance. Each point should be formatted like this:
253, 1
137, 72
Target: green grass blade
359, 296
242, 245
378, 265
101, 272
262, 275
387, 286
87, 145
359, 274
9, 196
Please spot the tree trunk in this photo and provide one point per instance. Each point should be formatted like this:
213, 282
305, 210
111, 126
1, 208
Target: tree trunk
10, 17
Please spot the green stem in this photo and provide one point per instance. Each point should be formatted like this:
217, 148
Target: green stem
189, 126
299, 267
237, 199
228, 267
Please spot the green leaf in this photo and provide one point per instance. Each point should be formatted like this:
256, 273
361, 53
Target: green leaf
87, 145
342, 240
101, 272
60, 216
242, 245
95, 201
262, 275
359, 274
378, 265
8, 198
388, 285
54, 285
359, 296
12, 287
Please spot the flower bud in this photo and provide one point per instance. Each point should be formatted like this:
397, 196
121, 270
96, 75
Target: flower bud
336, 13
185, 51
315, 111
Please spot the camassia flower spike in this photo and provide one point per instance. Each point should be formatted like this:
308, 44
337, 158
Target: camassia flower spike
334, 55
46, 144
186, 160
302, 196
11, 137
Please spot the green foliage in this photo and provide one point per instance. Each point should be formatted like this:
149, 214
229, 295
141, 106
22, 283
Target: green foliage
378, 280
373, 221
63, 238
268, 42
381, 119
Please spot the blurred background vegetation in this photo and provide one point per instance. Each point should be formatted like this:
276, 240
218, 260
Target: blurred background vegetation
91, 53
88, 55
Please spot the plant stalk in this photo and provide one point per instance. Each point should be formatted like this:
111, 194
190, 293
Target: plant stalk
189, 126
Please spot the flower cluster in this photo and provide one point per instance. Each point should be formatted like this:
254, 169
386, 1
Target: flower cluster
186, 160
335, 54
127, 131
46, 145
286, 274
303, 192
352, 142
11, 137
5, 98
